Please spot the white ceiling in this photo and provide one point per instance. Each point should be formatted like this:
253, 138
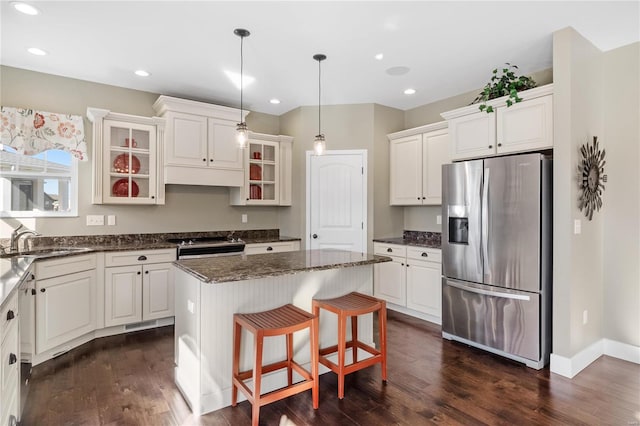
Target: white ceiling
449, 47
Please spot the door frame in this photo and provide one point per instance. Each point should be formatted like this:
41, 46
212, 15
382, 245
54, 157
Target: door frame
365, 210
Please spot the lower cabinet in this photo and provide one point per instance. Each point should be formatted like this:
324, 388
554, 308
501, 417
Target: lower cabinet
65, 303
257, 248
411, 280
138, 286
10, 363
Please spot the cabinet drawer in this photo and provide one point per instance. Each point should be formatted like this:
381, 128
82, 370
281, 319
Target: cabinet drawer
141, 257
272, 247
384, 249
10, 360
9, 315
426, 254
64, 265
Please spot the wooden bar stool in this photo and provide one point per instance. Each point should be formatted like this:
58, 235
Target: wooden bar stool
283, 320
352, 305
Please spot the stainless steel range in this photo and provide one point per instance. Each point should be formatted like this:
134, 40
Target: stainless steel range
198, 247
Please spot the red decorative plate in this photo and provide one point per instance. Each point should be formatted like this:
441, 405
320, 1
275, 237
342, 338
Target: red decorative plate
255, 172
121, 188
121, 164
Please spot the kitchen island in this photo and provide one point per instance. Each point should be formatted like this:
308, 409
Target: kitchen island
209, 291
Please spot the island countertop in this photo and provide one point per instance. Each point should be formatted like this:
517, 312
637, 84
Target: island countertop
248, 267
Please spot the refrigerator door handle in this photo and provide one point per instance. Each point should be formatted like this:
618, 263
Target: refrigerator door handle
487, 292
484, 251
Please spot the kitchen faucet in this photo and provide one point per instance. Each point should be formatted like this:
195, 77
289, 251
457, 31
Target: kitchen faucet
15, 237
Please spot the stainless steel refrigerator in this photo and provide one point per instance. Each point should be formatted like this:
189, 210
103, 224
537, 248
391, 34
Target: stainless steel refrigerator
496, 255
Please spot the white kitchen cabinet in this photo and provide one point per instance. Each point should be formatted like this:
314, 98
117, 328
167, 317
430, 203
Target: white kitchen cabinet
267, 169
525, 126
126, 167
9, 362
389, 282
200, 143
276, 247
416, 159
424, 281
412, 282
65, 304
138, 286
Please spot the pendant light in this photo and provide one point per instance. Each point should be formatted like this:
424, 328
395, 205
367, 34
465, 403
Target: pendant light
242, 131
319, 145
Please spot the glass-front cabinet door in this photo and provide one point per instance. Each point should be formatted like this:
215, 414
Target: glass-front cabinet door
129, 166
263, 170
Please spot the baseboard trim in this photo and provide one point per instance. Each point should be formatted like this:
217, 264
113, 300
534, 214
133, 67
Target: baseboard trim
569, 367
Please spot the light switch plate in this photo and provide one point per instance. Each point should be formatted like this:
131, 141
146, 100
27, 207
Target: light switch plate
111, 220
244, 218
95, 220
577, 226
438, 220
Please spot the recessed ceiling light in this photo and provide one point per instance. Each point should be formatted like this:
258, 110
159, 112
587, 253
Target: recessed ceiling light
142, 73
379, 56
36, 51
275, 101
410, 91
25, 8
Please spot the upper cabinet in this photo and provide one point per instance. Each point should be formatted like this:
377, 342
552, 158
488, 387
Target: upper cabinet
416, 159
525, 126
267, 172
200, 143
126, 166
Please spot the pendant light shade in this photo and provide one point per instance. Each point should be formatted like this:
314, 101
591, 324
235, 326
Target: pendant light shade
242, 131
319, 144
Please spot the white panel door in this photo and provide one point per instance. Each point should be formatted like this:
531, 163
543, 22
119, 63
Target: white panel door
224, 152
435, 153
122, 295
65, 308
186, 140
405, 170
157, 291
337, 202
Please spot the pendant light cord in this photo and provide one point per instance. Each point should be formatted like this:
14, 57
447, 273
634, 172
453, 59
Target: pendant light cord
319, 90
241, 75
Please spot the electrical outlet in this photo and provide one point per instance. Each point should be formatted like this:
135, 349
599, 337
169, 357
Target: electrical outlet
111, 220
95, 220
585, 317
244, 218
438, 220
577, 226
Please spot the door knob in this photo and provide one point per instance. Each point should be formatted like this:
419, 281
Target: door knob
315, 236
42, 290
10, 315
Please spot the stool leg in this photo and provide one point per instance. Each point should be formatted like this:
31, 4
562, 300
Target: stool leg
257, 378
237, 334
354, 338
289, 358
342, 343
314, 361
382, 320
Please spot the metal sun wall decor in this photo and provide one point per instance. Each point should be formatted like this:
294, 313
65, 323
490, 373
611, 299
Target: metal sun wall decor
591, 178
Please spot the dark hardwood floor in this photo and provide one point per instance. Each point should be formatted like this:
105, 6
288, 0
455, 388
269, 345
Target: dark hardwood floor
128, 380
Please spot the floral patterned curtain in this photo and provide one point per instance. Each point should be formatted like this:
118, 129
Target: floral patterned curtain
30, 132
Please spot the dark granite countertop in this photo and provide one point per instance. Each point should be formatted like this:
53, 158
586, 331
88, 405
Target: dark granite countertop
409, 242
239, 268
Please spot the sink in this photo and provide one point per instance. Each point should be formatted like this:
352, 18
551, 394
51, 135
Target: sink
44, 253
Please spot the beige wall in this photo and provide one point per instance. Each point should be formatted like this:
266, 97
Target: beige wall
621, 210
187, 208
577, 262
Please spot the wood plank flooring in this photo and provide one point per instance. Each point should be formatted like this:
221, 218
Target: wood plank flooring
128, 380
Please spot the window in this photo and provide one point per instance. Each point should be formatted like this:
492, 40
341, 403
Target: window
41, 185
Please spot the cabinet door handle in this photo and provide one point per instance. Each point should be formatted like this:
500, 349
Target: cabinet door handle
10, 315
424, 254
402, 264
211, 159
204, 159
490, 146
269, 248
12, 359
42, 290
139, 273
315, 236
153, 197
146, 272
499, 144
424, 198
389, 250
141, 258
407, 265
33, 291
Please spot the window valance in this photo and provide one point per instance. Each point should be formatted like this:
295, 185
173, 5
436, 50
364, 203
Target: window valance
30, 132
